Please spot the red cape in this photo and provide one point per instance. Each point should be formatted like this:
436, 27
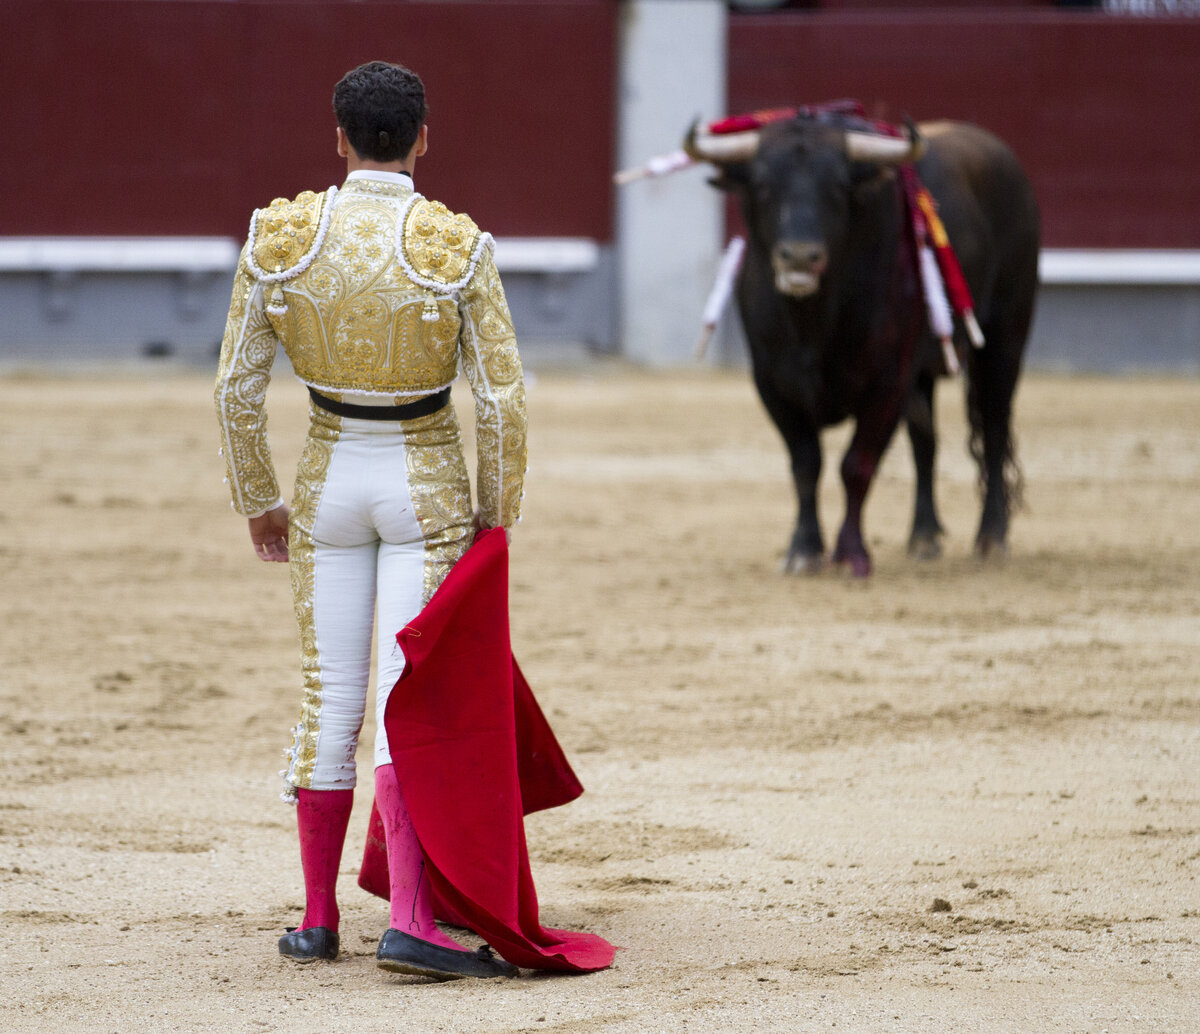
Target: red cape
474, 754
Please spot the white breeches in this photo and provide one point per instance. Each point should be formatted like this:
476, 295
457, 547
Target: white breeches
382, 511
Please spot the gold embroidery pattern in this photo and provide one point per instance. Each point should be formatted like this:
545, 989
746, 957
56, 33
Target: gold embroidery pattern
439, 244
493, 368
243, 373
310, 481
441, 492
377, 188
352, 321
285, 232
427, 350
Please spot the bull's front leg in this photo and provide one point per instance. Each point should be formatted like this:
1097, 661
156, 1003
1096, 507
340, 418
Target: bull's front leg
873, 430
806, 551
802, 436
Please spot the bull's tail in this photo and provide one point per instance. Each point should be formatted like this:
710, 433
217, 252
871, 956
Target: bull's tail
1014, 478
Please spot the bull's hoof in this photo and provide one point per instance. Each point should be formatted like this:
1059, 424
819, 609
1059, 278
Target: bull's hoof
925, 547
991, 549
856, 566
803, 563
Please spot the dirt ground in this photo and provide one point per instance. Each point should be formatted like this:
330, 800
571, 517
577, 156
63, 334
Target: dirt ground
951, 798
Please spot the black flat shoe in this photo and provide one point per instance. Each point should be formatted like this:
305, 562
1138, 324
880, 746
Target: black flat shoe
401, 952
317, 942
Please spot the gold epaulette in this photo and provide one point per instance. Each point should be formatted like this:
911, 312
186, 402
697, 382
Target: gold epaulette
286, 235
440, 249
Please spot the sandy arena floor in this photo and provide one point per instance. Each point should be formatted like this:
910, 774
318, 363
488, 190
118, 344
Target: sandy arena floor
784, 775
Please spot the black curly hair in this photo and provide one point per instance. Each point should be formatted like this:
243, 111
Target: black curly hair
381, 108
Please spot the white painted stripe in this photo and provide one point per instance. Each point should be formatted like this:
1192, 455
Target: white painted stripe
220, 254
118, 254
546, 255
1120, 267
521, 255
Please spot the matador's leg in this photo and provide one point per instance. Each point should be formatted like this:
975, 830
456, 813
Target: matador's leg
425, 526
333, 557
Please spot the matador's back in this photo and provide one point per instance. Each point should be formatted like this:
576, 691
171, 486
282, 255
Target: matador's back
375, 293
362, 285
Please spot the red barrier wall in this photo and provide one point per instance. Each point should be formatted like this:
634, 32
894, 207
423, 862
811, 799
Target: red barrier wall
142, 117
1103, 111
131, 118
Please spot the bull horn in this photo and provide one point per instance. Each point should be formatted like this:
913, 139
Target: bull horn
720, 148
885, 150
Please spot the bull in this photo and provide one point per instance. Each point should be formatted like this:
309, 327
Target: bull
834, 314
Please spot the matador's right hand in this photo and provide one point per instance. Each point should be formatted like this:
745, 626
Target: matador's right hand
480, 526
269, 533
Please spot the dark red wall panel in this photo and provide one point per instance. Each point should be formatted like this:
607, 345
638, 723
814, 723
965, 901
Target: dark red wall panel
144, 117
1103, 111
129, 118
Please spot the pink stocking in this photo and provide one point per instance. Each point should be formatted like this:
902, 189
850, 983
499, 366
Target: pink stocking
322, 817
411, 902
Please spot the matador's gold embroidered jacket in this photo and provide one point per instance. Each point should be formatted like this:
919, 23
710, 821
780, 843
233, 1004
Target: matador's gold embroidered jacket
372, 291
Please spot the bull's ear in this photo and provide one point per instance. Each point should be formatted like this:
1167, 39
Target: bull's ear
731, 176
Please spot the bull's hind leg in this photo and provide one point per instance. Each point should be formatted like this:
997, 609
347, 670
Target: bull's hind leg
925, 541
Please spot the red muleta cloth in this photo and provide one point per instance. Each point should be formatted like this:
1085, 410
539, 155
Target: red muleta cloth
474, 755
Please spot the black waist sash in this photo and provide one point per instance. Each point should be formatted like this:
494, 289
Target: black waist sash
408, 411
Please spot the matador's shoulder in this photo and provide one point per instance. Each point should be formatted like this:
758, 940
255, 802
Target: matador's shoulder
287, 234
439, 248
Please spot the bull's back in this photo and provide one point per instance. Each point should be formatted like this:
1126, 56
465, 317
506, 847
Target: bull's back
988, 205
980, 161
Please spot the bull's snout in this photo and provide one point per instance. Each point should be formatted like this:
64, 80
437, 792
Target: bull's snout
798, 266
801, 255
